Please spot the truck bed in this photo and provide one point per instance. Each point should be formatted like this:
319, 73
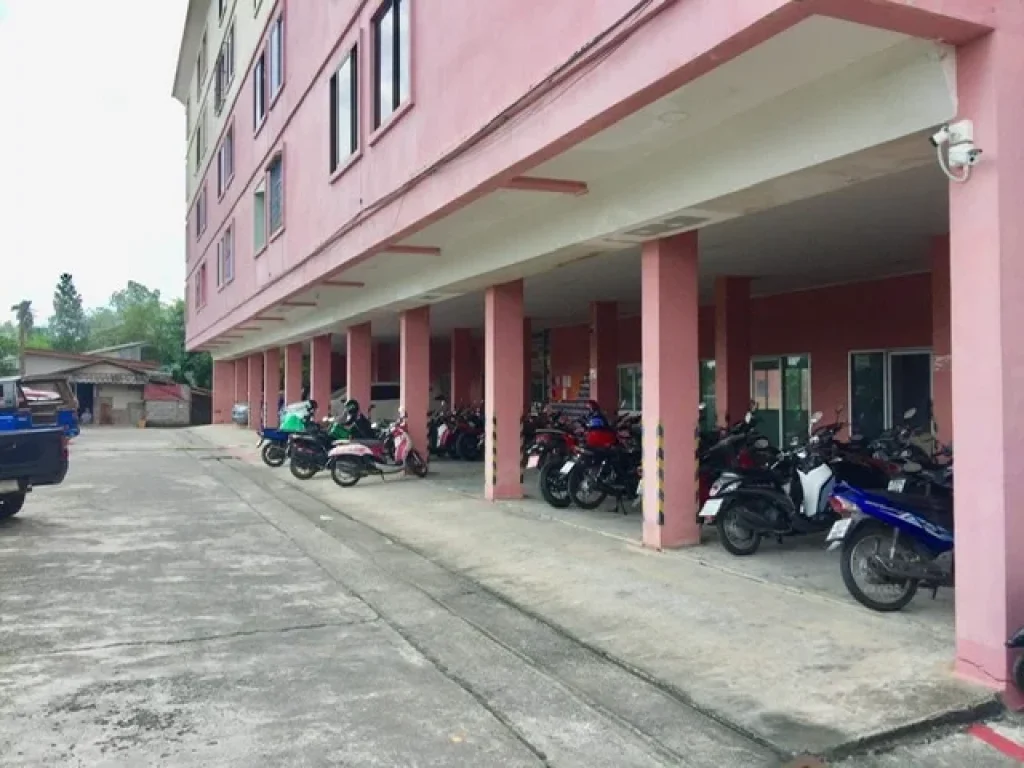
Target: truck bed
32, 457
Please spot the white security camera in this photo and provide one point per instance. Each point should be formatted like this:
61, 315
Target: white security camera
940, 137
964, 155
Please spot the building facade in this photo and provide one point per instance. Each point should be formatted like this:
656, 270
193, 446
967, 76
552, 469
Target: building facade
668, 200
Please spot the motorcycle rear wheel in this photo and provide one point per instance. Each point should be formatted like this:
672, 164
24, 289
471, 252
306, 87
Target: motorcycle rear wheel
860, 536
554, 486
414, 463
581, 482
728, 532
466, 447
302, 470
273, 455
345, 472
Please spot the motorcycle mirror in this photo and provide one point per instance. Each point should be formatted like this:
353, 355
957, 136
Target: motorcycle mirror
909, 413
816, 417
748, 418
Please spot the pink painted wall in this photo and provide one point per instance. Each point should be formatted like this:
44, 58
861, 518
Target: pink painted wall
468, 67
826, 324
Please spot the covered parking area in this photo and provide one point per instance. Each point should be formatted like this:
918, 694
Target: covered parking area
775, 218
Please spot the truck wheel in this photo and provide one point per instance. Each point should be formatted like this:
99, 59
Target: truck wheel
11, 505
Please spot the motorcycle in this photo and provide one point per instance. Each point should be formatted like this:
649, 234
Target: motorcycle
894, 540
790, 498
351, 460
605, 467
273, 443
1015, 644
309, 451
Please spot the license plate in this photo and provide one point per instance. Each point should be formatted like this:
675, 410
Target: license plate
8, 486
897, 484
532, 462
710, 508
838, 531
567, 467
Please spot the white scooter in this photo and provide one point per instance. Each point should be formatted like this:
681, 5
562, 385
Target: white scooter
352, 460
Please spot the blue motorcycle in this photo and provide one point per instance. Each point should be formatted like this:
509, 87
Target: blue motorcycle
893, 542
273, 446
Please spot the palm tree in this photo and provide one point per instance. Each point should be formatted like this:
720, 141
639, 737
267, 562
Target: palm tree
23, 316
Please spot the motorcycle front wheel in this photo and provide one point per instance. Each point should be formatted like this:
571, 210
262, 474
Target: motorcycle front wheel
466, 447
414, 463
273, 454
302, 470
860, 576
735, 537
345, 472
554, 486
583, 488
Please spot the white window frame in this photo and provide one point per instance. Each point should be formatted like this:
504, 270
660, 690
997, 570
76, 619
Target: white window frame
344, 143
275, 58
259, 200
226, 161
810, 383
226, 257
272, 231
225, 69
400, 73
259, 90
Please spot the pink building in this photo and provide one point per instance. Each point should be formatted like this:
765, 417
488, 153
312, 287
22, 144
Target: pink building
673, 199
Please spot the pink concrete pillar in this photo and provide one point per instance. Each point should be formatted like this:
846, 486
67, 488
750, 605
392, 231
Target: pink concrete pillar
527, 362
358, 362
414, 373
320, 374
223, 391
942, 373
293, 373
987, 301
462, 366
503, 390
255, 390
670, 395
732, 348
242, 380
604, 355
271, 386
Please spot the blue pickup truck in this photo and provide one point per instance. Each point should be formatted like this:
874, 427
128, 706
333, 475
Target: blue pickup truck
31, 455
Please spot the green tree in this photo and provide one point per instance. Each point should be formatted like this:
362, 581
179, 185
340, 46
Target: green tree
68, 328
25, 321
194, 368
8, 353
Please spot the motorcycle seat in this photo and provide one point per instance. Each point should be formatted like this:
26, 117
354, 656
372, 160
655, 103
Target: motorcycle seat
933, 509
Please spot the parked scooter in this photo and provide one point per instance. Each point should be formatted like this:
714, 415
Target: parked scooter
791, 498
294, 419
893, 541
309, 451
352, 460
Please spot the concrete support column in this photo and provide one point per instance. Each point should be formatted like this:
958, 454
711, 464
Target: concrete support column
223, 391
604, 355
503, 390
987, 282
242, 380
414, 373
255, 390
359, 364
942, 372
527, 362
320, 374
462, 366
732, 348
293, 373
271, 387
670, 376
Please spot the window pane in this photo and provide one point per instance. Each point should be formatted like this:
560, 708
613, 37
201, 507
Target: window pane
276, 195
385, 65
708, 416
867, 394
626, 392
404, 51
344, 107
259, 219
911, 384
277, 56
796, 397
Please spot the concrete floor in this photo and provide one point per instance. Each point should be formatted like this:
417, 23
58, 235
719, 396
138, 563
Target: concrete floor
176, 603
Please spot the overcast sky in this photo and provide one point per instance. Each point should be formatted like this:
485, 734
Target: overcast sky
94, 146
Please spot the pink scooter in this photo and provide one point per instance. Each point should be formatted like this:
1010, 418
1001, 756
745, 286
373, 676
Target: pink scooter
352, 460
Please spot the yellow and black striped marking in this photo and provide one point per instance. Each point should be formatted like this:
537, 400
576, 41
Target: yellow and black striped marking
494, 450
661, 473
696, 464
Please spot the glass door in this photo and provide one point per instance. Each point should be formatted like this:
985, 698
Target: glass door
910, 384
708, 418
781, 388
867, 394
766, 392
